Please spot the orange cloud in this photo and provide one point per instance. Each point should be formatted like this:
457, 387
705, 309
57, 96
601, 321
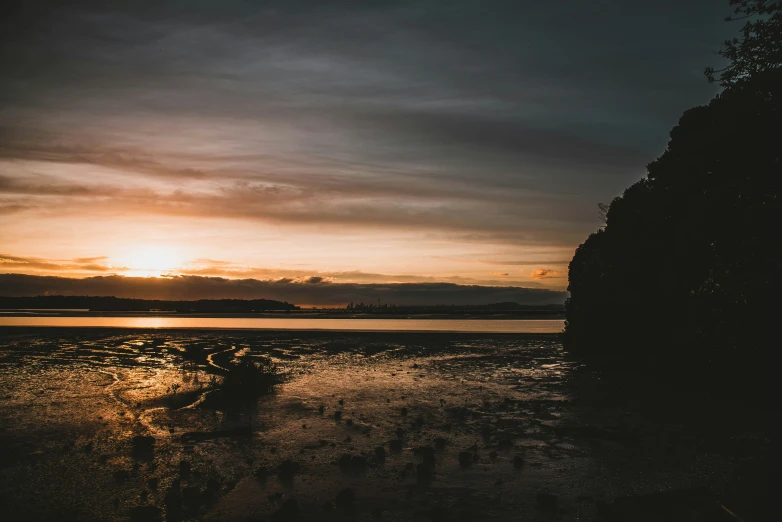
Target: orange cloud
545, 273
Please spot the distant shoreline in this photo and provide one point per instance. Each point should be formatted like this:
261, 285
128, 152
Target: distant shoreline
109, 306
297, 314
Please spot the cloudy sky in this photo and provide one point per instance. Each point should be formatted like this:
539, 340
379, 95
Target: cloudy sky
358, 142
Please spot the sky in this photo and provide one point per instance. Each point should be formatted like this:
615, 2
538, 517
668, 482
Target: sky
363, 143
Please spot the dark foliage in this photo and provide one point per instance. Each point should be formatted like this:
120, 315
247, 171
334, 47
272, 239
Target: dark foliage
249, 379
689, 262
760, 47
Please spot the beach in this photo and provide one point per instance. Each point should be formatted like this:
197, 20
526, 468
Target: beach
112, 424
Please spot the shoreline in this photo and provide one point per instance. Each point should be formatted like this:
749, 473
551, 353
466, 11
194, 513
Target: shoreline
554, 316
22, 329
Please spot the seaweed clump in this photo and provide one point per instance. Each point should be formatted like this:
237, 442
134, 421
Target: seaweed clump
247, 380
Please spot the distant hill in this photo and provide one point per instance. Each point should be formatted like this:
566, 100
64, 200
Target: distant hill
516, 306
116, 304
493, 309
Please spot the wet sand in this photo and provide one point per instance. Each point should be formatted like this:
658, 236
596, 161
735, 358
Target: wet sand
471, 426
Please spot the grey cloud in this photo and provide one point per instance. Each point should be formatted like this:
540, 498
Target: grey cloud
96, 154
478, 220
510, 121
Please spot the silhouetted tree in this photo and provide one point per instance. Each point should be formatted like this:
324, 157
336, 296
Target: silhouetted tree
760, 47
689, 262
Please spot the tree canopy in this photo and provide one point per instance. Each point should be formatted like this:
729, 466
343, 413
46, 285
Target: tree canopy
689, 261
760, 47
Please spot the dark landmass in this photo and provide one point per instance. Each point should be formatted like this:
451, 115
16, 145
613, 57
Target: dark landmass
79, 305
108, 303
684, 274
312, 291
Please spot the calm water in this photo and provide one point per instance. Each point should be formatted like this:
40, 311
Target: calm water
285, 323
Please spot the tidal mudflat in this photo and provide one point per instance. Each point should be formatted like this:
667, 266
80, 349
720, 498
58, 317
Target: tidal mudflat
111, 424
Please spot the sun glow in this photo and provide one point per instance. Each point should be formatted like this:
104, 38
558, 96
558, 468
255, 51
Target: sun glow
150, 261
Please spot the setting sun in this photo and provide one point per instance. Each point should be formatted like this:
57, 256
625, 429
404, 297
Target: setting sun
150, 260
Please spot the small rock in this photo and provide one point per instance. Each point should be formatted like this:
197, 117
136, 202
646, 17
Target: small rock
321, 409
173, 500
212, 491
349, 422
465, 459
380, 453
121, 476
143, 447
518, 462
191, 498
546, 501
424, 471
345, 499
288, 511
395, 445
287, 469
337, 415
438, 514
144, 513
352, 463
184, 469
426, 453
439, 443
260, 474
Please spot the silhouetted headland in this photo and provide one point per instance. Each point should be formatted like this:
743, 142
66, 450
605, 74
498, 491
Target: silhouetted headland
686, 268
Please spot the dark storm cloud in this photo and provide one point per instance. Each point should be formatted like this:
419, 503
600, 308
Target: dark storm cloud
312, 291
472, 116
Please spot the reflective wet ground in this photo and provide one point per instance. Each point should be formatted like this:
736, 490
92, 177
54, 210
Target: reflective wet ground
419, 427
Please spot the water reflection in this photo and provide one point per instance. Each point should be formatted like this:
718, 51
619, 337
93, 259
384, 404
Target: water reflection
286, 323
